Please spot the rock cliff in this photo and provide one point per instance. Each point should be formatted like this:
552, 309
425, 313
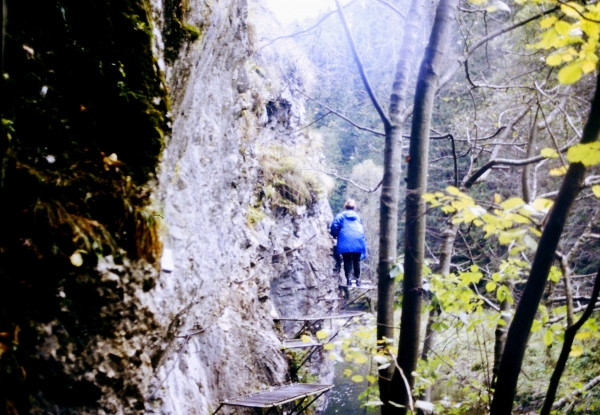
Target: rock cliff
246, 244
243, 218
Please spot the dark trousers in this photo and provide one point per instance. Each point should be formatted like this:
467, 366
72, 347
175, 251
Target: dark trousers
352, 260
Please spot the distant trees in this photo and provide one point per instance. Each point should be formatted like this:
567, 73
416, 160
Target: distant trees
510, 103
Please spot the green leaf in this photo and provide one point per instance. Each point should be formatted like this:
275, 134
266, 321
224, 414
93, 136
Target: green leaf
536, 326
329, 346
570, 73
490, 286
357, 378
548, 338
596, 190
305, 338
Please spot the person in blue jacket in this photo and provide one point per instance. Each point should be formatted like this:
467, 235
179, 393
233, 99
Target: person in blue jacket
348, 229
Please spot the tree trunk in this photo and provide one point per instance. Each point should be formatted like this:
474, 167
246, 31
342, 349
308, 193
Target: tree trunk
500, 334
518, 333
408, 349
390, 189
566, 349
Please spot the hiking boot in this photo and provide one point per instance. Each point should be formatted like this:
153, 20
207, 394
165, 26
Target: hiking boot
358, 282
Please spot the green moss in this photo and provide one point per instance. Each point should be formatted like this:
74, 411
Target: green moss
254, 215
193, 32
176, 32
83, 122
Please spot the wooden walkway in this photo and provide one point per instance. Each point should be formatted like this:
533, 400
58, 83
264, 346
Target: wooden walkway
297, 344
348, 314
278, 396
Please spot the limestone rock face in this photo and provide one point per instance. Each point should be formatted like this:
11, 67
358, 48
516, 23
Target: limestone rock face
240, 256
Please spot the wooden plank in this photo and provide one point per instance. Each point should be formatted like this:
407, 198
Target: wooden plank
323, 317
278, 396
296, 344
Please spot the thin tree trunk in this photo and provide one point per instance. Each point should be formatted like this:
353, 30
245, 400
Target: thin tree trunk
408, 349
566, 349
500, 334
449, 236
518, 333
390, 190
526, 181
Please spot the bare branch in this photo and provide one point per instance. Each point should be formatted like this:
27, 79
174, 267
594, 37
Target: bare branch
321, 20
504, 162
394, 8
561, 402
342, 116
384, 118
352, 182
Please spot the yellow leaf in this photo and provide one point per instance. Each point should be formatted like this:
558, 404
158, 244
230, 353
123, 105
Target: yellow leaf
305, 338
371, 379
361, 359
497, 198
567, 57
576, 351
329, 346
322, 334
586, 154
490, 286
548, 22
549, 40
570, 74
512, 203
347, 372
583, 335
554, 59
560, 171
76, 259
588, 66
562, 28
534, 231
452, 190
549, 153
596, 190
357, 378
491, 9
571, 8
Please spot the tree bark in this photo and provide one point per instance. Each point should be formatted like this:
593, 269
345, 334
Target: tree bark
408, 349
518, 333
500, 334
390, 190
566, 349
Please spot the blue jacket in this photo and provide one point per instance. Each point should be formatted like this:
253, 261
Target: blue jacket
348, 229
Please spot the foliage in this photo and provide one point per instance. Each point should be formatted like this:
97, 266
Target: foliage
286, 181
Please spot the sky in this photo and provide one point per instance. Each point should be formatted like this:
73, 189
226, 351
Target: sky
288, 11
